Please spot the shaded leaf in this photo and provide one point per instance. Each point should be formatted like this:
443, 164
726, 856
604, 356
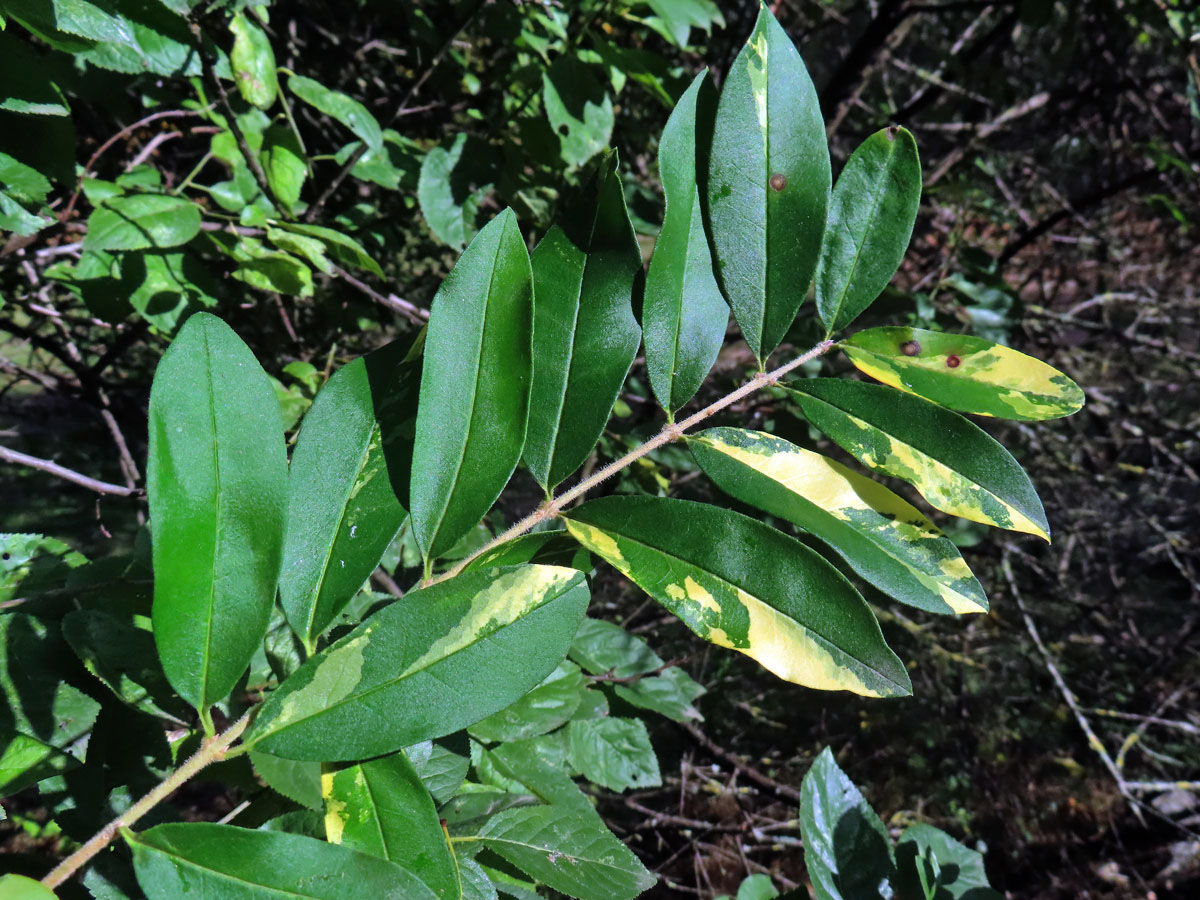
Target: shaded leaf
669, 694
339, 107
614, 753
681, 16
578, 108
549, 705
25, 761
284, 164
139, 221
440, 767
452, 185
927, 857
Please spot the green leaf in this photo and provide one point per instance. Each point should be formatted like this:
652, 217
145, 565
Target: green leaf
340, 107
568, 852
670, 694
451, 188
955, 465
27, 85
757, 887
475, 883
742, 585
768, 185
549, 705
381, 807
271, 270
964, 373
578, 108
253, 62
681, 16
341, 247
553, 548
846, 847
140, 221
871, 219
176, 860
217, 484
474, 387
25, 761
18, 887
614, 753
585, 335
879, 535
950, 870
343, 510
33, 563
441, 768
284, 164
298, 781
436, 661
684, 314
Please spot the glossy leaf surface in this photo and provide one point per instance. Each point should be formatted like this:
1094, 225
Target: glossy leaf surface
879, 535
740, 584
18, 887
436, 661
684, 314
846, 847
965, 373
955, 465
178, 860
440, 767
474, 387
217, 484
382, 807
768, 185
546, 707
871, 218
585, 335
343, 510
340, 107
253, 62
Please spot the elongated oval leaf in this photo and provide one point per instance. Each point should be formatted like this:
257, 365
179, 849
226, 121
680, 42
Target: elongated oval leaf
684, 314
25, 760
253, 62
439, 660
182, 859
584, 335
382, 807
141, 221
569, 852
740, 584
768, 185
340, 107
955, 465
879, 535
343, 511
871, 220
474, 387
217, 483
964, 373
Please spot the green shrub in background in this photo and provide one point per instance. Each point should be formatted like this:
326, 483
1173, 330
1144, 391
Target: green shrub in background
427, 745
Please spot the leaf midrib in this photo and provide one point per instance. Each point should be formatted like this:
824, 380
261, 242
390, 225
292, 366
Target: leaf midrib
212, 584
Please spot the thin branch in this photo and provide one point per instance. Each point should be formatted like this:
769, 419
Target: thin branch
46, 465
212, 750
670, 432
410, 311
780, 789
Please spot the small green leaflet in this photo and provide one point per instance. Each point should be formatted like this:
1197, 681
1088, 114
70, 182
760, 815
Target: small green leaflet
440, 659
871, 218
880, 536
955, 465
18, 887
474, 387
217, 483
683, 313
25, 760
584, 336
340, 107
964, 373
742, 585
768, 185
253, 62
448, 202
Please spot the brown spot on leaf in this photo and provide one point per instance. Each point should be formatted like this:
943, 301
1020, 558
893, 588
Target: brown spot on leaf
778, 182
910, 348
953, 362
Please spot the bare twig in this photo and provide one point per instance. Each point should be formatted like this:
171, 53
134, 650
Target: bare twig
780, 789
46, 465
410, 311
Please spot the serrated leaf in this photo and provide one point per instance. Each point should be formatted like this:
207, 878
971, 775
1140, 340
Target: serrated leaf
436, 661
681, 16
585, 335
742, 585
567, 852
25, 761
954, 464
614, 753
440, 767
253, 62
578, 108
340, 107
381, 807
683, 314
474, 399
140, 221
964, 373
871, 218
343, 510
879, 535
846, 847
175, 860
768, 185
549, 705
217, 484
475, 883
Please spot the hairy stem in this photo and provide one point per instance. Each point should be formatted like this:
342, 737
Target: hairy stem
212, 750
670, 432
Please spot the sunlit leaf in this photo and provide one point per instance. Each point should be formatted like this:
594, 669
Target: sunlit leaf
614, 753
340, 107
253, 62
139, 221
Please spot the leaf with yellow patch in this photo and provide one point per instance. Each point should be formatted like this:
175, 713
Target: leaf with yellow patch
955, 465
880, 536
743, 585
440, 659
964, 373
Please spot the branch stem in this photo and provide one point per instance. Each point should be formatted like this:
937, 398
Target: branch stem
46, 465
212, 750
670, 432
